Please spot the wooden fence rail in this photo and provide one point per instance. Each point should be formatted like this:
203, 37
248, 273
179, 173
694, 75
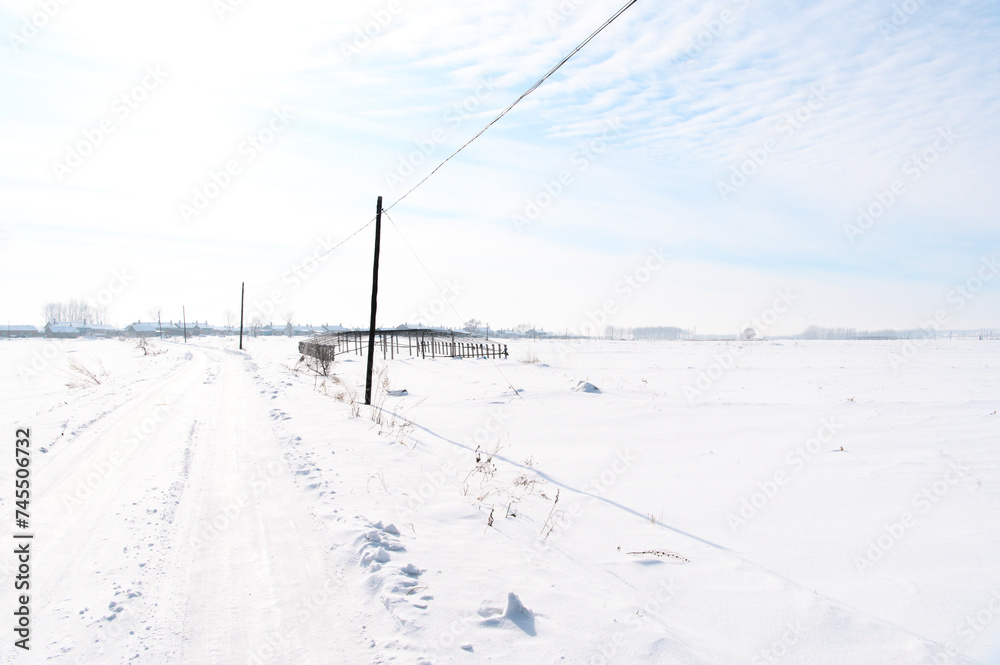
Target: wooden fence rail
412, 342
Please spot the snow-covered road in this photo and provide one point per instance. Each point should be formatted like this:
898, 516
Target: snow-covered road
171, 532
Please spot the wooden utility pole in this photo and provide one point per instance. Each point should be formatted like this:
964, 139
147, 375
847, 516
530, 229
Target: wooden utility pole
184, 319
371, 326
243, 287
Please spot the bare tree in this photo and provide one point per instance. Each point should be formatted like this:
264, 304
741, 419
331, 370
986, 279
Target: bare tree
51, 312
77, 310
229, 316
287, 318
72, 310
256, 323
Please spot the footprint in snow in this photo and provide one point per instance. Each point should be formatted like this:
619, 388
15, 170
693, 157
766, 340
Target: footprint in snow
377, 543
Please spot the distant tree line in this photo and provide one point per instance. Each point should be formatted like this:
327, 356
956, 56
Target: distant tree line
73, 310
817, 332
647, 332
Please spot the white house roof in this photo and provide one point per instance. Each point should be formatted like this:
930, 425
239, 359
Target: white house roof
21, 328
144, 327
62, 329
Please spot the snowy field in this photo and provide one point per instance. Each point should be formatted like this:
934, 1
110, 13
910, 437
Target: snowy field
771, 502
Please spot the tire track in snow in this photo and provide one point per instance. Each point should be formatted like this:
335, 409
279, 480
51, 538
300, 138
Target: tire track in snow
249, 555
93, 552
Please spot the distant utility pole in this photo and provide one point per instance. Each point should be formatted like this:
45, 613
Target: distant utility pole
184, 319
243, 287
371, 326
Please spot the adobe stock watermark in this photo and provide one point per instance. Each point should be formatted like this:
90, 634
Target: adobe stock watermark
594, 489
456, 630
117, 285
223, 8
625, 288
725, 361
123, 106
610, 651
972, 625
300, 271
431, 313
923, 501
551, 189
33, 24
494, 423
758, 156
913, 169
431, 484
256, 484
247, 151
117, 626
779, 647
563, 11
40, 360
363, 35
446, 472
958, 298
795, 461
102, 470
274, 645
425, 148
712, 31
901, 14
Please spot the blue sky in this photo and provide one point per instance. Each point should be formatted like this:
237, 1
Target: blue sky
634, 145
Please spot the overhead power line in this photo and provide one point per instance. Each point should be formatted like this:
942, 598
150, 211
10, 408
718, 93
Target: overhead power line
304, 265
482, 131
518, 100
318, 257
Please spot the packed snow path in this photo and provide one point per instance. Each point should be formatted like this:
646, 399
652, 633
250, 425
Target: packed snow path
180, 503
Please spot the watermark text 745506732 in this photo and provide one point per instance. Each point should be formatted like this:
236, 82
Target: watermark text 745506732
22, 539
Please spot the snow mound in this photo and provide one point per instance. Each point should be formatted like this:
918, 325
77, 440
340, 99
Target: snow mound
587, 387
515, 614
